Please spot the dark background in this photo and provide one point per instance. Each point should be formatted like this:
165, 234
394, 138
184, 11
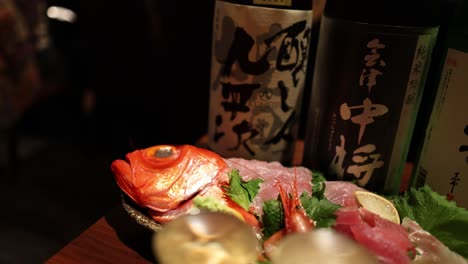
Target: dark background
146, 64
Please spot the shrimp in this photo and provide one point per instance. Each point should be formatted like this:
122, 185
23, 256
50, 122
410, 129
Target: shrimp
295, 217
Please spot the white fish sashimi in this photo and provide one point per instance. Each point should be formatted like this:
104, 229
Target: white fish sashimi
270, 173
430, 249
342, 193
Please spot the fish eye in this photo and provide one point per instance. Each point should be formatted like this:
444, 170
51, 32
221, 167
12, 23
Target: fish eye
163, 152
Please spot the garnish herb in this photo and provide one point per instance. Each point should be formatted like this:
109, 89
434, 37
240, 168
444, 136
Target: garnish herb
318, 184
316, 207
273, 217
435, 214
321, 211
242, 192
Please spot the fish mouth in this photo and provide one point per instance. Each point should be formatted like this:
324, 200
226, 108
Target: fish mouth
184, 207
152, 217
180, 204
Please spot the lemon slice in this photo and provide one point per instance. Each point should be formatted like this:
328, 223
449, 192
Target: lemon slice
378, 205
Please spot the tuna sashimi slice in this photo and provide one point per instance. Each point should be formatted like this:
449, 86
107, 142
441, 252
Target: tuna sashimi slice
387, 240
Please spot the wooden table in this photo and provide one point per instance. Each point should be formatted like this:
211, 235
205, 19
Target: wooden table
114, 238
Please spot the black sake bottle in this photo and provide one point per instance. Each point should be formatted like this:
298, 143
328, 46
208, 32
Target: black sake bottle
369, 74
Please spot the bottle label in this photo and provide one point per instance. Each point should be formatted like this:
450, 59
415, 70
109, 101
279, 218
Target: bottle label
443, 162
258, 70
374, 76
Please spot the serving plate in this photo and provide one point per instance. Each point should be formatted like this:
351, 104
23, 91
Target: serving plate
137, 214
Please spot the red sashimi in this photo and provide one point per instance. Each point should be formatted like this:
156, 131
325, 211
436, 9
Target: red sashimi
387, 240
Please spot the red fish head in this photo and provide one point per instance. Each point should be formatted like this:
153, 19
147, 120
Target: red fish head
162, 177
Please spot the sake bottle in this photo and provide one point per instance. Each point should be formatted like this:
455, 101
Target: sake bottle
258, 71
443, 161
370, 70
432, 82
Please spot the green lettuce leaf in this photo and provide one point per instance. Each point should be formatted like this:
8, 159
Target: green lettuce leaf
435, 214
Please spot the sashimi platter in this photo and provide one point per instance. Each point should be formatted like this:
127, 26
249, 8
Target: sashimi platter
204, 208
